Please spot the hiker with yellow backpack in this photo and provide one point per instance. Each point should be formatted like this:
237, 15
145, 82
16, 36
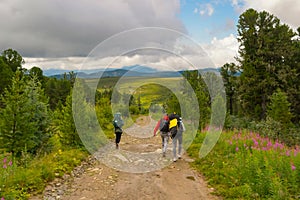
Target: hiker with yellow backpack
176, 129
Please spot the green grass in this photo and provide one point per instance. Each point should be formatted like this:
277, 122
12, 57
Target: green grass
18, 182
244, 165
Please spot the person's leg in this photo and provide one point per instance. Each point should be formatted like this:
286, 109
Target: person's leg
118, 139
174, 142
165, 144
162, 141
179, 145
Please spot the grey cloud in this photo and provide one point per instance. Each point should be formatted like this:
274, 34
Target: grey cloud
56, 28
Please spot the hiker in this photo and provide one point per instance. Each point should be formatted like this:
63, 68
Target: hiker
163, 126
118, 123
174, 118
178, 139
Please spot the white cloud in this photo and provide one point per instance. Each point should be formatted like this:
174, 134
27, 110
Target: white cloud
287, 11
204, 9
210, 9
223, 50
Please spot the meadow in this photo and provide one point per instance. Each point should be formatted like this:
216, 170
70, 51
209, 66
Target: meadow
245, 165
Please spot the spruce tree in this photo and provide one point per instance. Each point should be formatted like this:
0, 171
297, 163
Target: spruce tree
23, 120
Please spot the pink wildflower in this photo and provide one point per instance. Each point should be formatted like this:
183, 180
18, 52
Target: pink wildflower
287, 153
2, 198
293, 167
237, 149
269, 144
4, 166
255, 142
4, 160
10, 163
264, 148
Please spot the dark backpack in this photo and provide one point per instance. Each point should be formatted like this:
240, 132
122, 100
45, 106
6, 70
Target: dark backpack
164, 125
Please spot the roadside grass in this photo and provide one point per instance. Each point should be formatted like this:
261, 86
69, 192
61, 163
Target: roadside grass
244, 165
18, 182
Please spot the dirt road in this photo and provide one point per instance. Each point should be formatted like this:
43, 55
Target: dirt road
163, 180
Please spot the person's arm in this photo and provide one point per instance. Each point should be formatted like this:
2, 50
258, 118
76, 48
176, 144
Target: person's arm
183, 127
156, 127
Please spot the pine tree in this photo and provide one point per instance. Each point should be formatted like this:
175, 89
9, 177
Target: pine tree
23, 120
265, 53
279, 109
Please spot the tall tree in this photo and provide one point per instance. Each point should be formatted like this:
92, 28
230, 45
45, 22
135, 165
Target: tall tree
13, 59
23, 119
6, 75
202, 92
229, 75
38, 73
279, 109
265, 49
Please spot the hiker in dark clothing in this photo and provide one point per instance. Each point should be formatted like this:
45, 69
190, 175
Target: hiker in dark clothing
163, 126
118, 123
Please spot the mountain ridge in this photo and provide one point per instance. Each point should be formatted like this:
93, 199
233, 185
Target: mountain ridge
130, 71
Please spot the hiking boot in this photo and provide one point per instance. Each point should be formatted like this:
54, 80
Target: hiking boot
179, 156
117, 146
174, 159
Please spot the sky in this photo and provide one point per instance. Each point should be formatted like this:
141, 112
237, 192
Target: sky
80, 34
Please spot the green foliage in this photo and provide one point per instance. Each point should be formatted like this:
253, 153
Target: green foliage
17, 182
202, 92
6, 75
229, 75
58, 89
244, 165
13, 59
279, 109
218, 114
104, 116
65, 125
24, 119
266, 61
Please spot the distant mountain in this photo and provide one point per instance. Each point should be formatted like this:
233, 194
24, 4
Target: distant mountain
140, 68
129, 71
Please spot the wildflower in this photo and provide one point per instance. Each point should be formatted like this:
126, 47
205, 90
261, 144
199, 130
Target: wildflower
4, 160
293, 167
10, 163
255, 142
237, 149
2, 198
287, 153
269, 144
264, 149
4, 166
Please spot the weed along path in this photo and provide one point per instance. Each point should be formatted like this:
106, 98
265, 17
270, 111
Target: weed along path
135, 171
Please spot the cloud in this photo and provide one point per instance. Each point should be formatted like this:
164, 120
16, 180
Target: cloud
73, 28
204, 9
222, 51
179, 53
287, 11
